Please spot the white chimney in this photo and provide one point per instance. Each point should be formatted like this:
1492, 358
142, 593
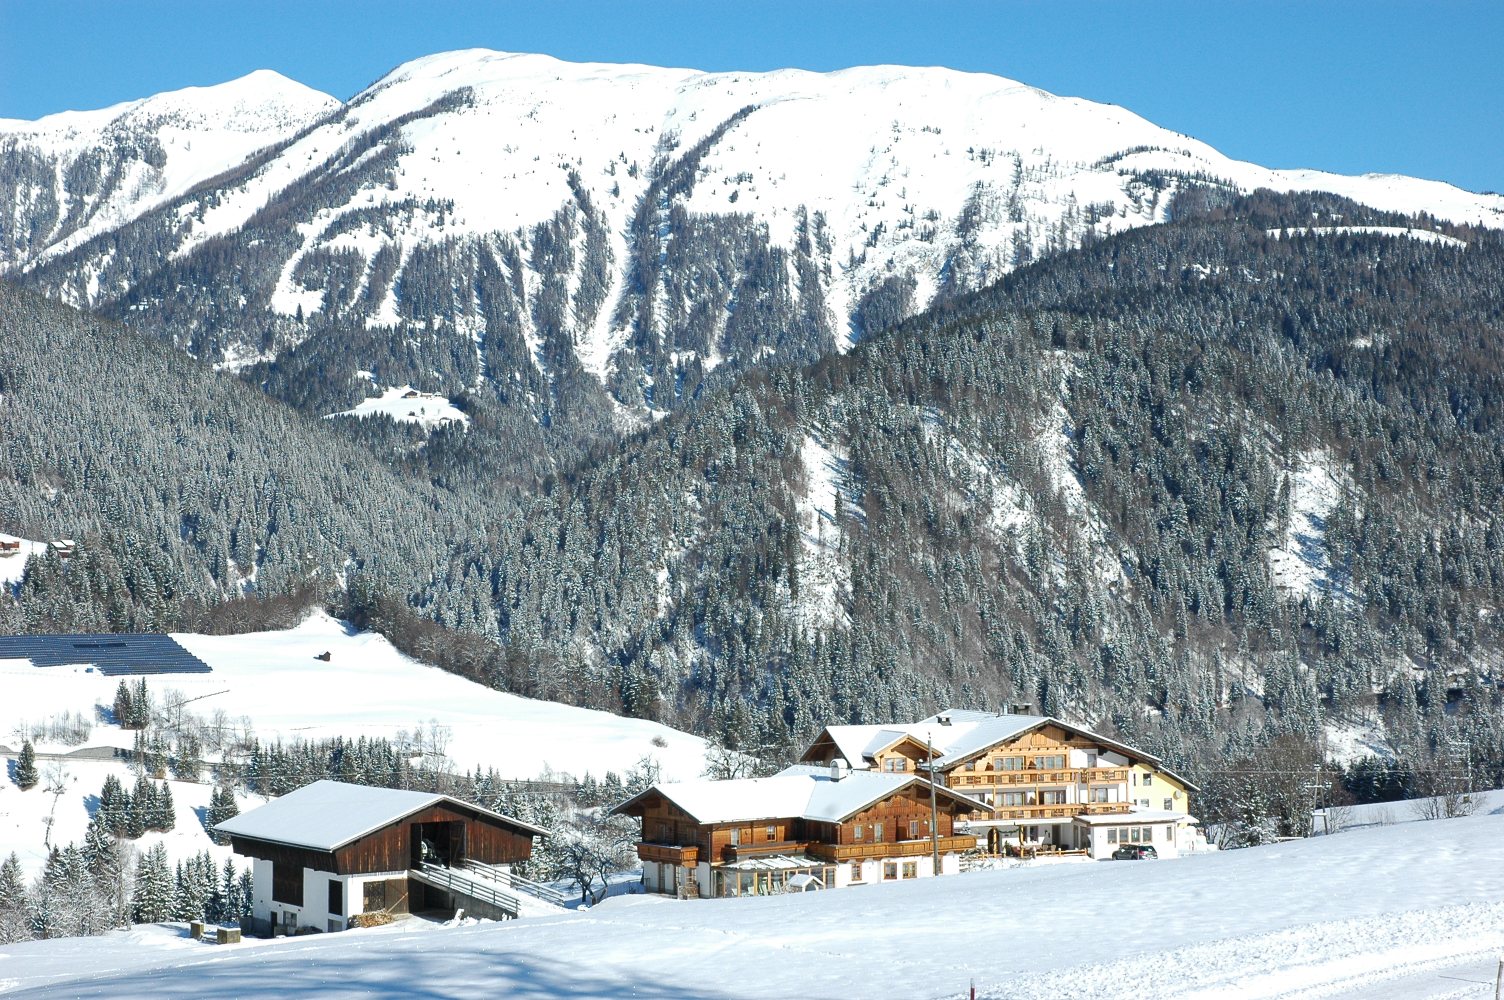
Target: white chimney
839, 769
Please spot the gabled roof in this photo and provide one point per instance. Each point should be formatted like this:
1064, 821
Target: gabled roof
327, 815
958, 735
801, 792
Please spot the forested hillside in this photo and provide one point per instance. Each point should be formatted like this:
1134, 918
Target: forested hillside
1198, 484
1214, 485
184, 487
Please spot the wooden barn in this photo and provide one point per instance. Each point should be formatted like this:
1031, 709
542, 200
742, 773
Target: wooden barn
330, 851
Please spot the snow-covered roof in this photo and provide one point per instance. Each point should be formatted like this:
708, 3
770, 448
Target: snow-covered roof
327, 815
803, 791
963, 739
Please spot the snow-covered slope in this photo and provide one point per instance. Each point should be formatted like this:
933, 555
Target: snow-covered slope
580, 184
1399, 912
76, 174
366, 687
274, 680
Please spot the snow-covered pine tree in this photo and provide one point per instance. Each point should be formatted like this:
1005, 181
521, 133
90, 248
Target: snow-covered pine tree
221, 807
247, 895
26, 767
14, 925
152, 902
166, 815
124, 715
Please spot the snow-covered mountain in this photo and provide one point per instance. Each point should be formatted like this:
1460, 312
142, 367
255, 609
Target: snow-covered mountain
638, 225
76, 174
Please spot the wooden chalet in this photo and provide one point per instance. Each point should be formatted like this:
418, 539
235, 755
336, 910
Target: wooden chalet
807, 826
1051, 785
331, 850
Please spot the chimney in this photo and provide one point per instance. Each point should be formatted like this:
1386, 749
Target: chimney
1021, 708
944, 720
839, 769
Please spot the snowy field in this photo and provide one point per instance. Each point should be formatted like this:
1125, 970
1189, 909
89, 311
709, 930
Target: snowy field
366, 688
398, 403
1406, 911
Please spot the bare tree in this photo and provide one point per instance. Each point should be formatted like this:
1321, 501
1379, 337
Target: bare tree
595, 849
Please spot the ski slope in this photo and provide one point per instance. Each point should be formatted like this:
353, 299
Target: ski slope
1385, 912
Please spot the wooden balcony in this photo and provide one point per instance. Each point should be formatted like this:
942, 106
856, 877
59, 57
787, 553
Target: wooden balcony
1070, 776
888, 849
740, 852
1064, 811
672, 854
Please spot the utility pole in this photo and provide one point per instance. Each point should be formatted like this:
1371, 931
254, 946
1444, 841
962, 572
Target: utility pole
934, 807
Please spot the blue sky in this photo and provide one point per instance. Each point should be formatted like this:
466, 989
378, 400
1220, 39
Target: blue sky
1415, 88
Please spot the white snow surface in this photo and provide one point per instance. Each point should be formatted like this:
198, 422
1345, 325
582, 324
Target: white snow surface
367, 688
13, 564
1379, 913
1300, 561
203, 132
425, 409
824, 576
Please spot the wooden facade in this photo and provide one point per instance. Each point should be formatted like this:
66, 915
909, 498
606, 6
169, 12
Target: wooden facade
896, 826
458, 834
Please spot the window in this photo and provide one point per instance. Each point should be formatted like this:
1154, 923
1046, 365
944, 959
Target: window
1050, 762
290, 921
1135, 834
1169, 804
856, 871
970, 765
913, 829
1091, 758
1013, 763
997, 763
336, 897
1013, 799
857, 834
1052, 797
911, 869
1100, 794
1112, 835
772, 834
1148, 779
877, 832
736, 837
896, 764
890, 870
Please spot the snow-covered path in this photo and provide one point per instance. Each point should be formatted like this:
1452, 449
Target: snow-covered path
1380, 912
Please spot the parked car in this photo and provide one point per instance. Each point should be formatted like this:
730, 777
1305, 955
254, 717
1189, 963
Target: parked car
1135, 852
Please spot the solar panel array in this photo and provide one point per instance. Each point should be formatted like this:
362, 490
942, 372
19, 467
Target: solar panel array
124, 653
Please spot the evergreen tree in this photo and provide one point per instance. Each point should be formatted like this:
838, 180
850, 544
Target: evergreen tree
14, 904
221, 807
153, 899
125, 716
26, 767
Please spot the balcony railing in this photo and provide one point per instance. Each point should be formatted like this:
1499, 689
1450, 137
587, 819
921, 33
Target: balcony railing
672, 854
1069, 776
738, 852
888, 849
